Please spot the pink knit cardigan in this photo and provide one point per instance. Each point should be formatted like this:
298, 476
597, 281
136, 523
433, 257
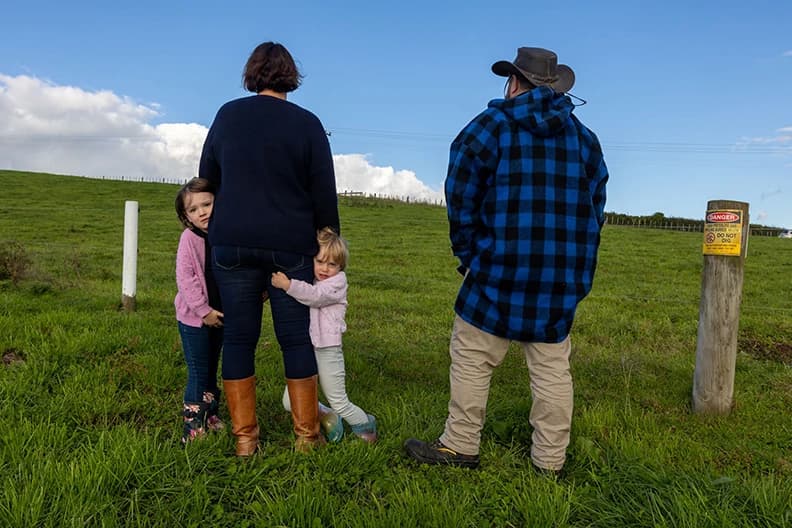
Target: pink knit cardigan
192, 299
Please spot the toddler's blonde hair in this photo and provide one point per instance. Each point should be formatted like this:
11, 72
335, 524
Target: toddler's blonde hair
334, 246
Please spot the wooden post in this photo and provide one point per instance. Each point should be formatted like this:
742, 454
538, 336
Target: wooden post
129, 281
726, 231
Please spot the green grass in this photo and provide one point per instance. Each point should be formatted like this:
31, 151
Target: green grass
90, 395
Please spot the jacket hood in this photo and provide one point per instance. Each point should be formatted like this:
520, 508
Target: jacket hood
541, 111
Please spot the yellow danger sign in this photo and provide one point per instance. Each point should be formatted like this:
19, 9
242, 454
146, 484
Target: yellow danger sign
723, 232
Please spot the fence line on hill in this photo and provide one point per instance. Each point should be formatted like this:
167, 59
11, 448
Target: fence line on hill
677, 225
141, 179
346, 193
672, 224
391, 197
685, 225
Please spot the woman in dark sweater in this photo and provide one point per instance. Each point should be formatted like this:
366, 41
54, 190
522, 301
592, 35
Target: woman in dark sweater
270, 160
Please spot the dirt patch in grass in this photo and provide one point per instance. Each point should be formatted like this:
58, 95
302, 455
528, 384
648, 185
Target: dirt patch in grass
773, 351
11, 356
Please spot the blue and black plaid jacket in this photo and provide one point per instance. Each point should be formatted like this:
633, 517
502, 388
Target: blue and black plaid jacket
526, 197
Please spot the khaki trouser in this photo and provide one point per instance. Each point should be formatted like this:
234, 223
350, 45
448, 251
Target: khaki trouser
474, 356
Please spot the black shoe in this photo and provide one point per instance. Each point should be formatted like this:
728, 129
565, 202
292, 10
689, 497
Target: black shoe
554, 474
437, 453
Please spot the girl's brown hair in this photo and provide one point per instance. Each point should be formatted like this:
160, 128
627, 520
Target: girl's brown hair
195, 185
271, 66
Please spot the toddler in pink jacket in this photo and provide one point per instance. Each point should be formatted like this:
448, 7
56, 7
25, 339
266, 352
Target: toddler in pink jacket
327, 299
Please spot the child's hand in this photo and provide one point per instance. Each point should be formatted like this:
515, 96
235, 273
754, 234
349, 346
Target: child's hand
280, 280
214, 318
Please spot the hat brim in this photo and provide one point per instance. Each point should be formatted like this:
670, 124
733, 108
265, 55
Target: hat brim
566, 77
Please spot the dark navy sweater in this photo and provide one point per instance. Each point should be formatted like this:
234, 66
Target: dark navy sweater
271, 163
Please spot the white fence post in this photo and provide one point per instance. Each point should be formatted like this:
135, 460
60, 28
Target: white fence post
129, 281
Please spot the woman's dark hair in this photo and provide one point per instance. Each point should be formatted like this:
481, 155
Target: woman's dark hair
196, 185
271, 66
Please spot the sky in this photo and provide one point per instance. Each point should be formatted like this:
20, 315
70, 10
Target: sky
692, 101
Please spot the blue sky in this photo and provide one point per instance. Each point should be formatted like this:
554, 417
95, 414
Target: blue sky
691, 101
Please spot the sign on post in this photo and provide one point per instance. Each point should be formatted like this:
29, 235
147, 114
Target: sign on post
726, 231
723, 232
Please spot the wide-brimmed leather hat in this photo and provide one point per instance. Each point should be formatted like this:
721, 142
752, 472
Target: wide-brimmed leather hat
540, 67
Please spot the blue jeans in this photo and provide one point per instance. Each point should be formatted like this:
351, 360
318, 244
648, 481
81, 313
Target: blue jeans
201, 353
242, 275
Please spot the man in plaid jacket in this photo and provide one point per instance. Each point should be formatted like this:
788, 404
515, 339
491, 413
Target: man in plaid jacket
526, 196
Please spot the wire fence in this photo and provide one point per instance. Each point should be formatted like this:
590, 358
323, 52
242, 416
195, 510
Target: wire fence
678, 224
405, 198
392, 197
172, 181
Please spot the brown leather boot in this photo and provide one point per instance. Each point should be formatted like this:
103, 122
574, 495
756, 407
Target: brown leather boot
303, 394
241, 398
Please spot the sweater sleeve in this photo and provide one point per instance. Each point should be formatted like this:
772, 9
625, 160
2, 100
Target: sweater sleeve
322, 175
323, 293
208, 167
190, 279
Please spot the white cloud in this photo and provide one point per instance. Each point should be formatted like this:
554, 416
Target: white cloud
67, 130
355, 173
782, 139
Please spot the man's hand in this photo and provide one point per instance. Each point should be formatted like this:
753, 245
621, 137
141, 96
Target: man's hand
280, 280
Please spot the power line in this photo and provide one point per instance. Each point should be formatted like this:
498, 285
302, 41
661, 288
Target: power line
698, 148
404, 135
628, 146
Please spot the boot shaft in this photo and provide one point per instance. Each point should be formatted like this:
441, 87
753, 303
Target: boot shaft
303, 394
241, 398
194, 414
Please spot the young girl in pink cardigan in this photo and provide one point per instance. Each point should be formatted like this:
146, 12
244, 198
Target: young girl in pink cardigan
327, 299
198, 310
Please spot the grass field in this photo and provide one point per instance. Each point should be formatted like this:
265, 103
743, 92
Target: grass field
90, 395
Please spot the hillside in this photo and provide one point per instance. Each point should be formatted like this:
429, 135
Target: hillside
91, 394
